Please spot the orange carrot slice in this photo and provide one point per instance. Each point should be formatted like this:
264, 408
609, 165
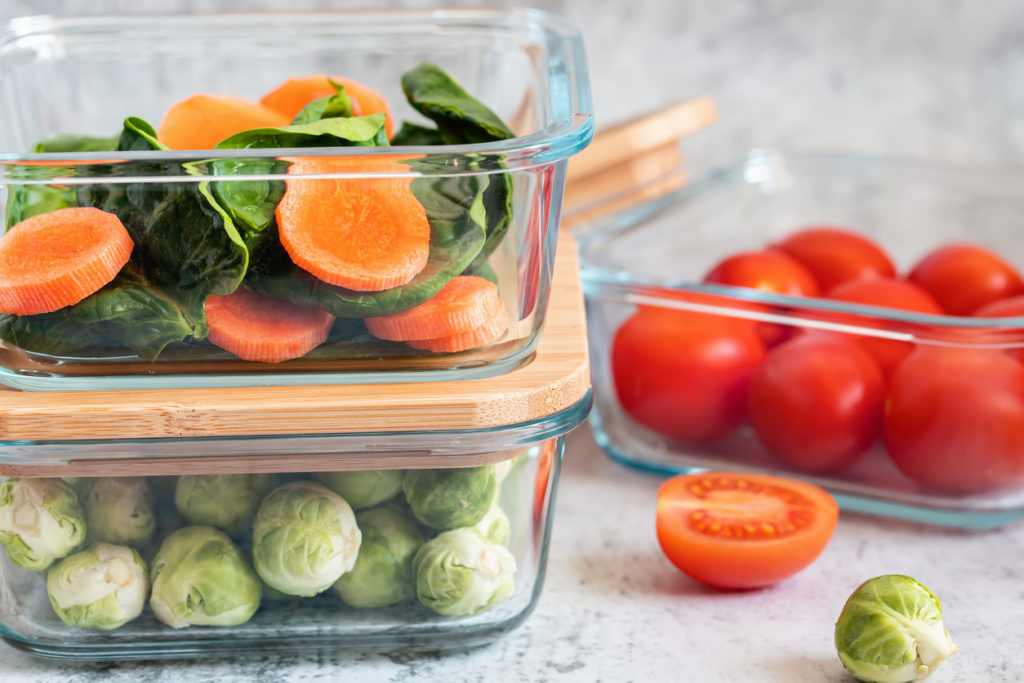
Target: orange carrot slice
489, 332
463, 304
201, 121
291, 96
56, 259
364, 234
255, 327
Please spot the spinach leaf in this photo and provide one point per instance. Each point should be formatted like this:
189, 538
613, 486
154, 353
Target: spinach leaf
454, 208
330, 132
462, 118
415, 134
186, 245
332, 106
76, 143
125, 313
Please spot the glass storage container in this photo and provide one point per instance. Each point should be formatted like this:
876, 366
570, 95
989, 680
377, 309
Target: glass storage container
942, 438
85, 105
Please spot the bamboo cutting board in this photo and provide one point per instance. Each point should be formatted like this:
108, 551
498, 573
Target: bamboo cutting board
556, 378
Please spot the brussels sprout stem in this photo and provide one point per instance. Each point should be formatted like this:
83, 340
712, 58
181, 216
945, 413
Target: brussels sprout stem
934, 646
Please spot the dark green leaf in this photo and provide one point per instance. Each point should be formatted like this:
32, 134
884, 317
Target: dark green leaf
415, 134
454, 207
332, 132
436, 95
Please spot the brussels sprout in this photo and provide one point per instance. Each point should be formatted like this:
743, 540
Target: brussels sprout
382, 574
102, 587
363, 488
119, 510
41, 521
890, 631
450, 498
495, 527
200, 577
225, 501
304, 538
459, 573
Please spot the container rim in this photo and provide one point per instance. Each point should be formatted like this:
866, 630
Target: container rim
565, 135
764, 166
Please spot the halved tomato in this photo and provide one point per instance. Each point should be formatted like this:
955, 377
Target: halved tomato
737, 530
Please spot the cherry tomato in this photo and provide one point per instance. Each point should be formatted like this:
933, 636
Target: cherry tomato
816, 402
954, 418
834, 256
733, 530
1005, 308
684, 374
769, 271
965, 277
887, 293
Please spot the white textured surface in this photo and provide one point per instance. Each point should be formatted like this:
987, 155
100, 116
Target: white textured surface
936, 79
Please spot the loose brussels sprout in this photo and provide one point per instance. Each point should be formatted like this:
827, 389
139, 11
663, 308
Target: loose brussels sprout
450, 498
102, 587
41, 521
495, 527
200, 577
225, 501
119, 510
890, 631
459, 573
363, 488
304, 538
382, 574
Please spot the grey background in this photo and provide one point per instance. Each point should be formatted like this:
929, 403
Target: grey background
939, 80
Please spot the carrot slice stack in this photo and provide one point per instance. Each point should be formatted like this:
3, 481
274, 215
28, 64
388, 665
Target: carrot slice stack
56, 259
201, 121
258, 328
466, 313
295, 93
364, 234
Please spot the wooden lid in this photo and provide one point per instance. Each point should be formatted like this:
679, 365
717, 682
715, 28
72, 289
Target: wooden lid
556, 378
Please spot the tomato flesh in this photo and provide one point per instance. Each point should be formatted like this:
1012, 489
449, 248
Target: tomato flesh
740, 531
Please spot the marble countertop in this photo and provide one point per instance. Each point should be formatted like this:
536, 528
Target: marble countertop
933, 80
614, 609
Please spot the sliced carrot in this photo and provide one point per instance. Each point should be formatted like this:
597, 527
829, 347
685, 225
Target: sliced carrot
364, 234
489, 332
201, 121
291, 96
255, 327
464, 303
56, 259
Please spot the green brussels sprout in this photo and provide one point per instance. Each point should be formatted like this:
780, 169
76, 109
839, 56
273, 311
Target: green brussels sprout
200, 577
450, 498
495, 527
41, 521
304, 538
102, 587
119, 510
225, 501
363, 488
890, 631
459, 573
382, 574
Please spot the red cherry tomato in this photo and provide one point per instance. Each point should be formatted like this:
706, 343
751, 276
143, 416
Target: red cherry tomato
834, 256
965, 277
684, 374
734, 530
887, 293
768, 271
1005, 308
954, 419
816, 402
